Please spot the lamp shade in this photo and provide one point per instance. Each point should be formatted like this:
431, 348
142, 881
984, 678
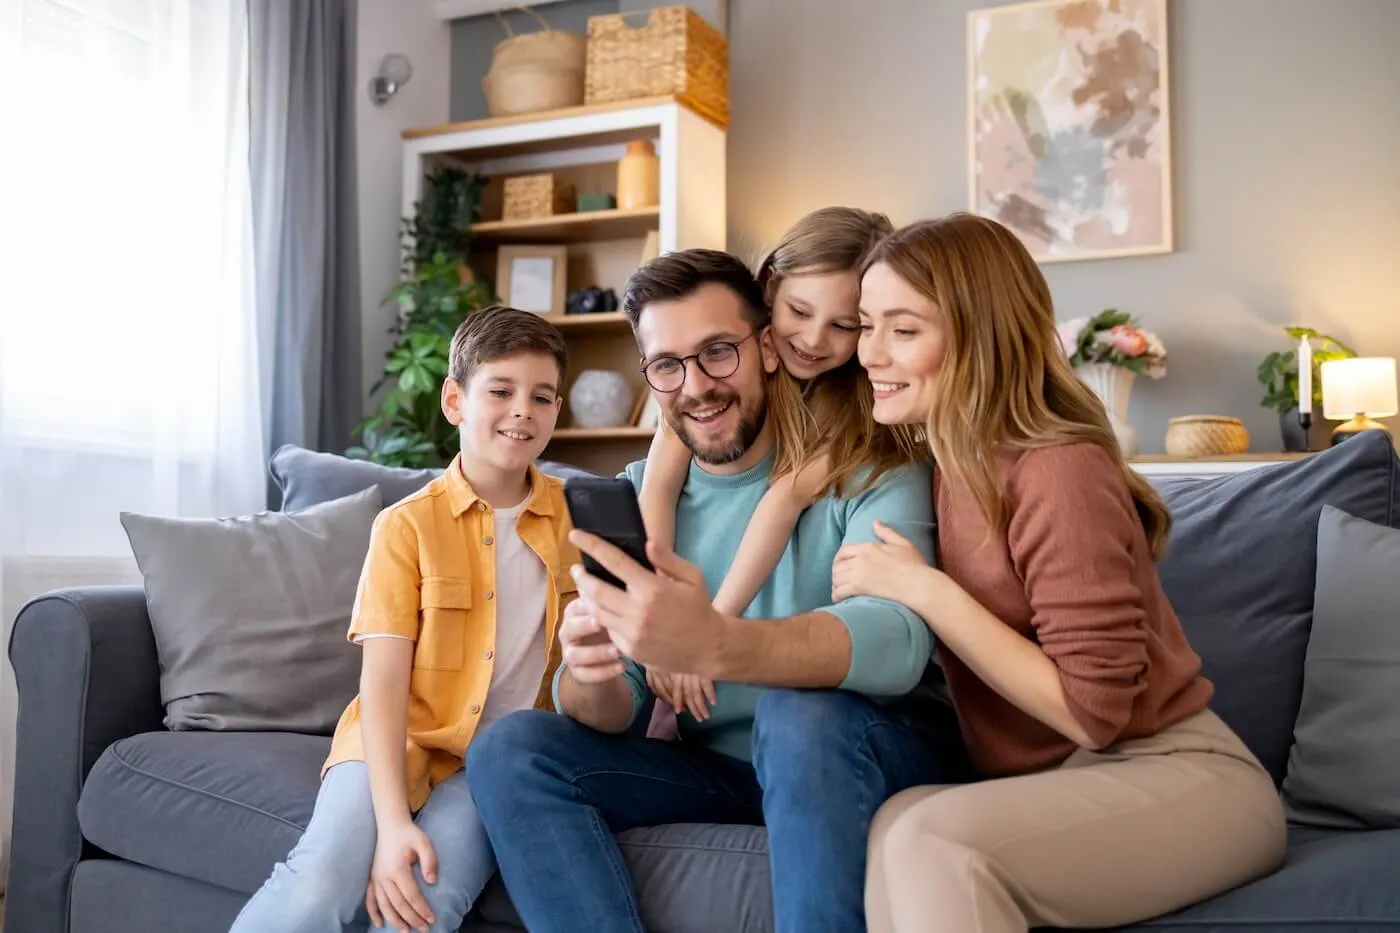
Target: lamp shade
1359, 386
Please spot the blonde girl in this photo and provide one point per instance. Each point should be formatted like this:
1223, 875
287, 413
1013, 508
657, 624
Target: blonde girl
820, 403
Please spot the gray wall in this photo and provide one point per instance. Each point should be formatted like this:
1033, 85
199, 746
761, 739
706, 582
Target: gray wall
1286, 149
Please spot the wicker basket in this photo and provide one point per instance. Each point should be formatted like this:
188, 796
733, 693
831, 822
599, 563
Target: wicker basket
540, 195
1206, 436
674, 53
536, 71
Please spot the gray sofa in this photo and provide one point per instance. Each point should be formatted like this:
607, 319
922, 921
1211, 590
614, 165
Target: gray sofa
123, 827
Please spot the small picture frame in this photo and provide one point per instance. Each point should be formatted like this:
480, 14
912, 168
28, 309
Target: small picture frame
531, 278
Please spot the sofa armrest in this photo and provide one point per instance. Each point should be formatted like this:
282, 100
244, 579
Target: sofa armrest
85, 663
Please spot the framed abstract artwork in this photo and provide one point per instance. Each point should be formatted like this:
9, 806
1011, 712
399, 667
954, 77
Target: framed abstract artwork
1069, 125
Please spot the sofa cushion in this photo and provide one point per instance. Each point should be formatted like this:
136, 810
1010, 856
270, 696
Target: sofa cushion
1332, 880
306, 477
218, 807
689, 878
250, 613
1240, 568
1343, 768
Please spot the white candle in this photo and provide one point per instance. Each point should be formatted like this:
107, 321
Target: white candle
1305, 390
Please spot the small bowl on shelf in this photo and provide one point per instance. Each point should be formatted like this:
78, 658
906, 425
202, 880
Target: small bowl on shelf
1192, 436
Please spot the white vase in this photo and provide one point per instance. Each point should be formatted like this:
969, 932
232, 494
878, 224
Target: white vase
1114, 386
600, 398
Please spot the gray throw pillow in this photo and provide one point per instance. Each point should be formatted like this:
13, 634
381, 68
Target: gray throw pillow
250, 614
1344, 766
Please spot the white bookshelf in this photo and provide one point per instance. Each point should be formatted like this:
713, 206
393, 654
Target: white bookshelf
582, 146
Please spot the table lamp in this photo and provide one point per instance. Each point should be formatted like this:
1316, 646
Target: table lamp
1356, 390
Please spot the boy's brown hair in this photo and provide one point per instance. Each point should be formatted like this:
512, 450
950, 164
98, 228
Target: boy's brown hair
497, 332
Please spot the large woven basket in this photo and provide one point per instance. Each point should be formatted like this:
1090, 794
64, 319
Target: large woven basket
675, 52
1206, 436
534, 71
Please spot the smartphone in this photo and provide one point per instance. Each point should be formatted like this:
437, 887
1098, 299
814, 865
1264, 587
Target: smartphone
607, 507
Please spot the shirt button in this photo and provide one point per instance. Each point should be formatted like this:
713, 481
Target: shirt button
488, 540
489, 654
489, 594
474, 709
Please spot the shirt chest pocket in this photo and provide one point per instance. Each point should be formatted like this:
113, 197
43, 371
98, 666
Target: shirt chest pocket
442, 632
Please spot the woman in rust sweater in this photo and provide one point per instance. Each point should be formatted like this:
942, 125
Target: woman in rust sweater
1111, 793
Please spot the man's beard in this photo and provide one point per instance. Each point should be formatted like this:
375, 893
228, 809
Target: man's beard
722, 450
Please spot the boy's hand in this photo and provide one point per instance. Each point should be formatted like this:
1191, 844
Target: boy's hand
393, 897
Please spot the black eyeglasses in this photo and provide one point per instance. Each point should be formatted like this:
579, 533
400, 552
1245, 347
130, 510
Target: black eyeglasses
718, 360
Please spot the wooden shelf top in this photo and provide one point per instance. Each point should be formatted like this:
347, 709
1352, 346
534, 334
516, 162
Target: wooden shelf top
579, 323
615, 224
544, 116
602, 434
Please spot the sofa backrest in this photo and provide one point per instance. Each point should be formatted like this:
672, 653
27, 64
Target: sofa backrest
1240, 568
307, 477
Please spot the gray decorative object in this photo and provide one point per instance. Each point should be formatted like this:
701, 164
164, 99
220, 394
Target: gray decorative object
600, 398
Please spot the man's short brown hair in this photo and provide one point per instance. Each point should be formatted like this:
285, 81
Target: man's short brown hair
498, 332
680, 274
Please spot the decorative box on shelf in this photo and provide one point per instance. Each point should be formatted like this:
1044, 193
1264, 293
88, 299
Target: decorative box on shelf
675, 51
539, 195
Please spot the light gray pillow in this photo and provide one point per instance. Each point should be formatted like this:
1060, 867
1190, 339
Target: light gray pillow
250, 614
1344, 768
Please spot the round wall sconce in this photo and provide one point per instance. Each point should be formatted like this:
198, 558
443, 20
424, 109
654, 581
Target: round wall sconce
394, 72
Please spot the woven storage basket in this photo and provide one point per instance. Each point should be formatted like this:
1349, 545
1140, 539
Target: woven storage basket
540, 195
1206, 436
675, 52
534, 71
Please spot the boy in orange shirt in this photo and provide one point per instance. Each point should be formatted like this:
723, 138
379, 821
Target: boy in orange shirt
457, 609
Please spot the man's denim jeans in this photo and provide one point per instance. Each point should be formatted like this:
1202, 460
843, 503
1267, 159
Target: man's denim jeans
552, 793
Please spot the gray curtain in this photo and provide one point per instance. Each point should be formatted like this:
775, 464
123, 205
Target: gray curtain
305, 219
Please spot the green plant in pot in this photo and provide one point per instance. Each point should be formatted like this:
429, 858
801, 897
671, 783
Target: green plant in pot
1278, 373
435, 293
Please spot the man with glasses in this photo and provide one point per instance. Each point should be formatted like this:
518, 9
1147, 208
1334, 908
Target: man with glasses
806, 735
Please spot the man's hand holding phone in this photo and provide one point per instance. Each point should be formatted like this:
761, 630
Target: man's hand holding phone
589, 653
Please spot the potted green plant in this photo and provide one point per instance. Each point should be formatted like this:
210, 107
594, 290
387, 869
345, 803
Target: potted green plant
435, 293
1278, 373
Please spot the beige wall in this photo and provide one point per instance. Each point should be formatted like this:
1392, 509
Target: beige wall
1287, 189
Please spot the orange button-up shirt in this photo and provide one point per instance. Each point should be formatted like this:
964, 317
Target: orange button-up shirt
430, 576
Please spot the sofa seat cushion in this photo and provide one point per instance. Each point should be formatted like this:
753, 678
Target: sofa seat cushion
218, 807
689, 878
1332, 880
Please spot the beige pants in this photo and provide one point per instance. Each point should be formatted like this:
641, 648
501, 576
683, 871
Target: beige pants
1110, 837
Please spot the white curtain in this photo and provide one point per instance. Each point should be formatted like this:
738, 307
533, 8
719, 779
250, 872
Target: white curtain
129, 367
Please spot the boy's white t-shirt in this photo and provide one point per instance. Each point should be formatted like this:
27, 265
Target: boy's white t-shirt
522, 588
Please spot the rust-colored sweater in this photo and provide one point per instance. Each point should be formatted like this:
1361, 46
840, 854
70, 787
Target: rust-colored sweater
1074, 573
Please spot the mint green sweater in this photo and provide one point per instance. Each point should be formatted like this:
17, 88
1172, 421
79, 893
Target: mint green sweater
890, 645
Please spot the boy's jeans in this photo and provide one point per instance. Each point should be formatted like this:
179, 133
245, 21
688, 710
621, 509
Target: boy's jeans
823, 763
320, 887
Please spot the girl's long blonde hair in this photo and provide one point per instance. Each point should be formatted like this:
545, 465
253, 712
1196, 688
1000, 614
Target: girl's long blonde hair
832, 413
1005, 381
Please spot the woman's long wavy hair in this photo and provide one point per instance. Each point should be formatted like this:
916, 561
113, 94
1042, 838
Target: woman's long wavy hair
834, 411
1005, 381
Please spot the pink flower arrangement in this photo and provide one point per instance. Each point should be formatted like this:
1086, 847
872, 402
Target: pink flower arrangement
1113, 337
